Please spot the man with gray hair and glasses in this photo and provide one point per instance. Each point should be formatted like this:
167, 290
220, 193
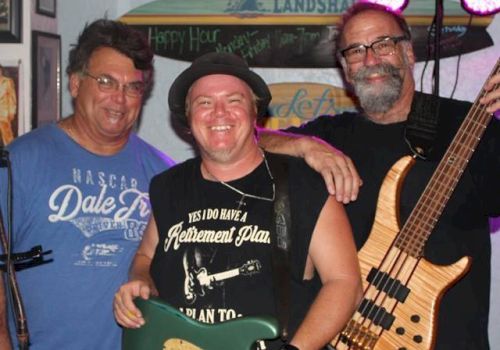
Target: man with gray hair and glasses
81, 190
377, 58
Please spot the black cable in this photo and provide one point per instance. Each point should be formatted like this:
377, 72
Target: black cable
429, 35
437, 45
457, 70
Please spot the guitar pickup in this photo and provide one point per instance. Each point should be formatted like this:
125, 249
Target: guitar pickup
377, 314
390, 286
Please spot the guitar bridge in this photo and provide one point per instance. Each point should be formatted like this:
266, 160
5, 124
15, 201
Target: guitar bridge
358, 337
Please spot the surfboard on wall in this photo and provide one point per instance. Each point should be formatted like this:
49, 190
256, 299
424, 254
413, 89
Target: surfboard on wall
286, 33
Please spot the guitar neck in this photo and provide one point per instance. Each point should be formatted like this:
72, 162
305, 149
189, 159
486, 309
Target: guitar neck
433, 200
224, 275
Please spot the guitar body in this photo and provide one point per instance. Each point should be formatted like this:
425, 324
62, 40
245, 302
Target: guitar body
167, 328
413, 324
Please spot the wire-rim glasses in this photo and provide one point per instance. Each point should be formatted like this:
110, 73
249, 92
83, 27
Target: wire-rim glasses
108, 84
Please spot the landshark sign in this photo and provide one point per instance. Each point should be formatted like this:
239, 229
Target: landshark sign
287, 33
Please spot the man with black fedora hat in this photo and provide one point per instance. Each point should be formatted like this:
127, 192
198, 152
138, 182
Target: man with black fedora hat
210, 247
216, 63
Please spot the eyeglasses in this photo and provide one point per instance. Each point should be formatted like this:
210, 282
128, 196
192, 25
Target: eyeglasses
105, 83
382, 47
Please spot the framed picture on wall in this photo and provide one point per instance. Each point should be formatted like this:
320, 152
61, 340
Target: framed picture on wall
46, 7
46, 73
10, 21
10, 100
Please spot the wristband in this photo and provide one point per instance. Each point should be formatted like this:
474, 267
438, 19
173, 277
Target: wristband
289, 347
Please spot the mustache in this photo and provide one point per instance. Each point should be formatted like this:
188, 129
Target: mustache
381, 69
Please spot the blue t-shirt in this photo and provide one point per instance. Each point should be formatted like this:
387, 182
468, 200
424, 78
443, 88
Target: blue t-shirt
90, 211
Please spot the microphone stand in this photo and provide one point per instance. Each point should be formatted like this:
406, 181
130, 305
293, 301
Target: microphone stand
18, 306
27, 259
12, 286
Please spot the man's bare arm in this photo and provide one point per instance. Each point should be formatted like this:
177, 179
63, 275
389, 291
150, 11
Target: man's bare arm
332, 254
337, 169
140, 283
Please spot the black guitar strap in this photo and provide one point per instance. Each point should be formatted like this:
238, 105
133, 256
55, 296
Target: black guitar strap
281, 242
421, 127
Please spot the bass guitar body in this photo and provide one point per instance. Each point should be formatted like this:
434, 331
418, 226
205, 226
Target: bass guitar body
401, 291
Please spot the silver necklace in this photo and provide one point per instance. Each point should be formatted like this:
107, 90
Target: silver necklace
244, 195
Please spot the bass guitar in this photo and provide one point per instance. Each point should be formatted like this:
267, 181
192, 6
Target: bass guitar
401, 289
167, 328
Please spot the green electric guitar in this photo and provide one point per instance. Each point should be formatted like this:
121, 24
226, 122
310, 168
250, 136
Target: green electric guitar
167, 328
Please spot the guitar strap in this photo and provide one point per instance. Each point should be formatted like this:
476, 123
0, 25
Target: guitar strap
421, 127
281, 242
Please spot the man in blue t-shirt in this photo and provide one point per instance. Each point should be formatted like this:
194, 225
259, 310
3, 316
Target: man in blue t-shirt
80, 189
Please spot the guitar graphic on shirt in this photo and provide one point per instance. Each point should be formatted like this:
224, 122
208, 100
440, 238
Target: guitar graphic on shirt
197, 281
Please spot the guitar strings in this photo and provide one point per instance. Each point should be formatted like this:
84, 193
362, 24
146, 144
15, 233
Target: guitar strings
478, 117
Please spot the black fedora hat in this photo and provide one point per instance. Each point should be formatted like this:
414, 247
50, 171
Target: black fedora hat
216, 63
